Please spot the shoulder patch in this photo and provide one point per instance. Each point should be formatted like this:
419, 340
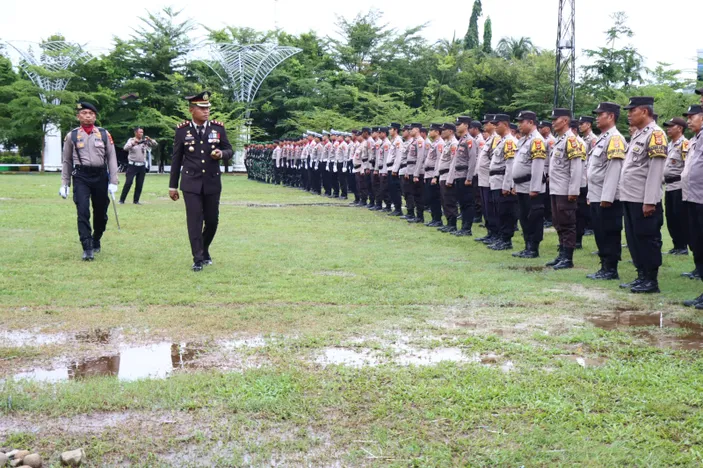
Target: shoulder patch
509, 149
684, 149
109, 137
185, 123
538, 151
494, 143
657, 147
616, 148
217, 122
470, 143
573, 148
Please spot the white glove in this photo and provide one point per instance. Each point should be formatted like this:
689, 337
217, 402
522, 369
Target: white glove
344, 168
64, 191
316, 166
112, 188
334, 168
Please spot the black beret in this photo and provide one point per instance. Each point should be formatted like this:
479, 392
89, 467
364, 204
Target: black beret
639, 101
86, 105
676, 121
423, 130
501, 118
544, 123
355, 132
365, 130
527, 115
586, 119
694, 109
488, 118
435, 126
383, 129
574, 123
395, 125
476, 124
607, 107
513, 126
463, 119
406, 127
560, 112
449, 126
200, 100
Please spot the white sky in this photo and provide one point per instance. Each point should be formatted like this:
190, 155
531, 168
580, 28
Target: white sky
663, 32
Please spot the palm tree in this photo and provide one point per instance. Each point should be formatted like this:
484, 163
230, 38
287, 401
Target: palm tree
511, 48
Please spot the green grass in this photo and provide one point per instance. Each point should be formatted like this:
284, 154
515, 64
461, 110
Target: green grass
309, 277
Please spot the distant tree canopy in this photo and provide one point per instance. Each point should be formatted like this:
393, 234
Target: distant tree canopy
367, 73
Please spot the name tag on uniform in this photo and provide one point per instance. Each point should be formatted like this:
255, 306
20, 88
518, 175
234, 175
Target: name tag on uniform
99, 143
636, 149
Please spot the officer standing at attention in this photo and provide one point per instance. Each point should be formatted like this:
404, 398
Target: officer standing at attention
461, 172
545, 129
502, 184
483, 169
675, 209
89, 156
604, 167
565, 176
137, 148
200, 144
692, 183
528, 175
641, 194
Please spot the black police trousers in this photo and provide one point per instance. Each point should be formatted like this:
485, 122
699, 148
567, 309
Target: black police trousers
394, 192
695, 231
607, 229
90, 185
341, 179
384, 194
202, 215
564, 218
433, 200
583, 214
490, 214
449, 201
133, 171
676, 218
531, 217
644, 235
506, 212
465, 196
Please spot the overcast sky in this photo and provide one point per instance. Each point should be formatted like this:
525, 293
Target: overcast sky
663, 32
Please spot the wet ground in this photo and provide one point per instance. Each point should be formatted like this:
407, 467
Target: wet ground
110, 356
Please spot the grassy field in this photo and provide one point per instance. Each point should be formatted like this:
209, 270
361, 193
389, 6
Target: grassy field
326, 335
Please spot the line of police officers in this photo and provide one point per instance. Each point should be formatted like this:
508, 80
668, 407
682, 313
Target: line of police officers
526, 172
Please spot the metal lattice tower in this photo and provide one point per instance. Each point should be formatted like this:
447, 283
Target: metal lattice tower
246, 67
47, 63
564, 92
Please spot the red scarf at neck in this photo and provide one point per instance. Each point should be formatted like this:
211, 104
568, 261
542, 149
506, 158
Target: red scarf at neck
88, 128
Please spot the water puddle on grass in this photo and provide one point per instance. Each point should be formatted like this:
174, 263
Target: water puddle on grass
584, 361
130, 363
686, 336
20, 338
347, 357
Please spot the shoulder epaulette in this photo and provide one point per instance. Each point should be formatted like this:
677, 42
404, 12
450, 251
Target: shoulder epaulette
217, 122
185, 123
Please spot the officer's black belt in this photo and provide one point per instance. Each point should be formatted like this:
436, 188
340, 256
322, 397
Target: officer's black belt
521, 179
672, 179
443, 171
403, 166
429, 169
90, 169
461, 168
364, 160
132, 163
357, 166
497, 172
372, 161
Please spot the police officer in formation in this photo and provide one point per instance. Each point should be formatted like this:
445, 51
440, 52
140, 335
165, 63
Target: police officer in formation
89, 162
138, 148
596, 181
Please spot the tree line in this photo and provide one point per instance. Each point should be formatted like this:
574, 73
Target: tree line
366, 73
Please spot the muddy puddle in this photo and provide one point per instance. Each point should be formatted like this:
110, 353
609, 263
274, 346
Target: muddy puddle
682, 335
129, 363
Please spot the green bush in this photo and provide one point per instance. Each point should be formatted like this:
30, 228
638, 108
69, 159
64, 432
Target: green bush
10, 158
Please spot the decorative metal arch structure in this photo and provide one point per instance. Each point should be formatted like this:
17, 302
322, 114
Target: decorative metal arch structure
244, 68
45, 64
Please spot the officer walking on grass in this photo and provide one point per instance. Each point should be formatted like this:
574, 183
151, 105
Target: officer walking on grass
200, 144
89, 160
137, 147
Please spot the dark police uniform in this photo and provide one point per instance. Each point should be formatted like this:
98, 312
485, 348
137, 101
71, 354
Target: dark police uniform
89, 160
199, 175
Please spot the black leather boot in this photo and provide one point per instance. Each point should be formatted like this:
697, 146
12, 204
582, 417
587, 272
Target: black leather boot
557, 259
650, 284
567, 259
636, 282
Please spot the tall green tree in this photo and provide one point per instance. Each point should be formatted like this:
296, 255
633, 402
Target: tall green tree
471, 37
487, 36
